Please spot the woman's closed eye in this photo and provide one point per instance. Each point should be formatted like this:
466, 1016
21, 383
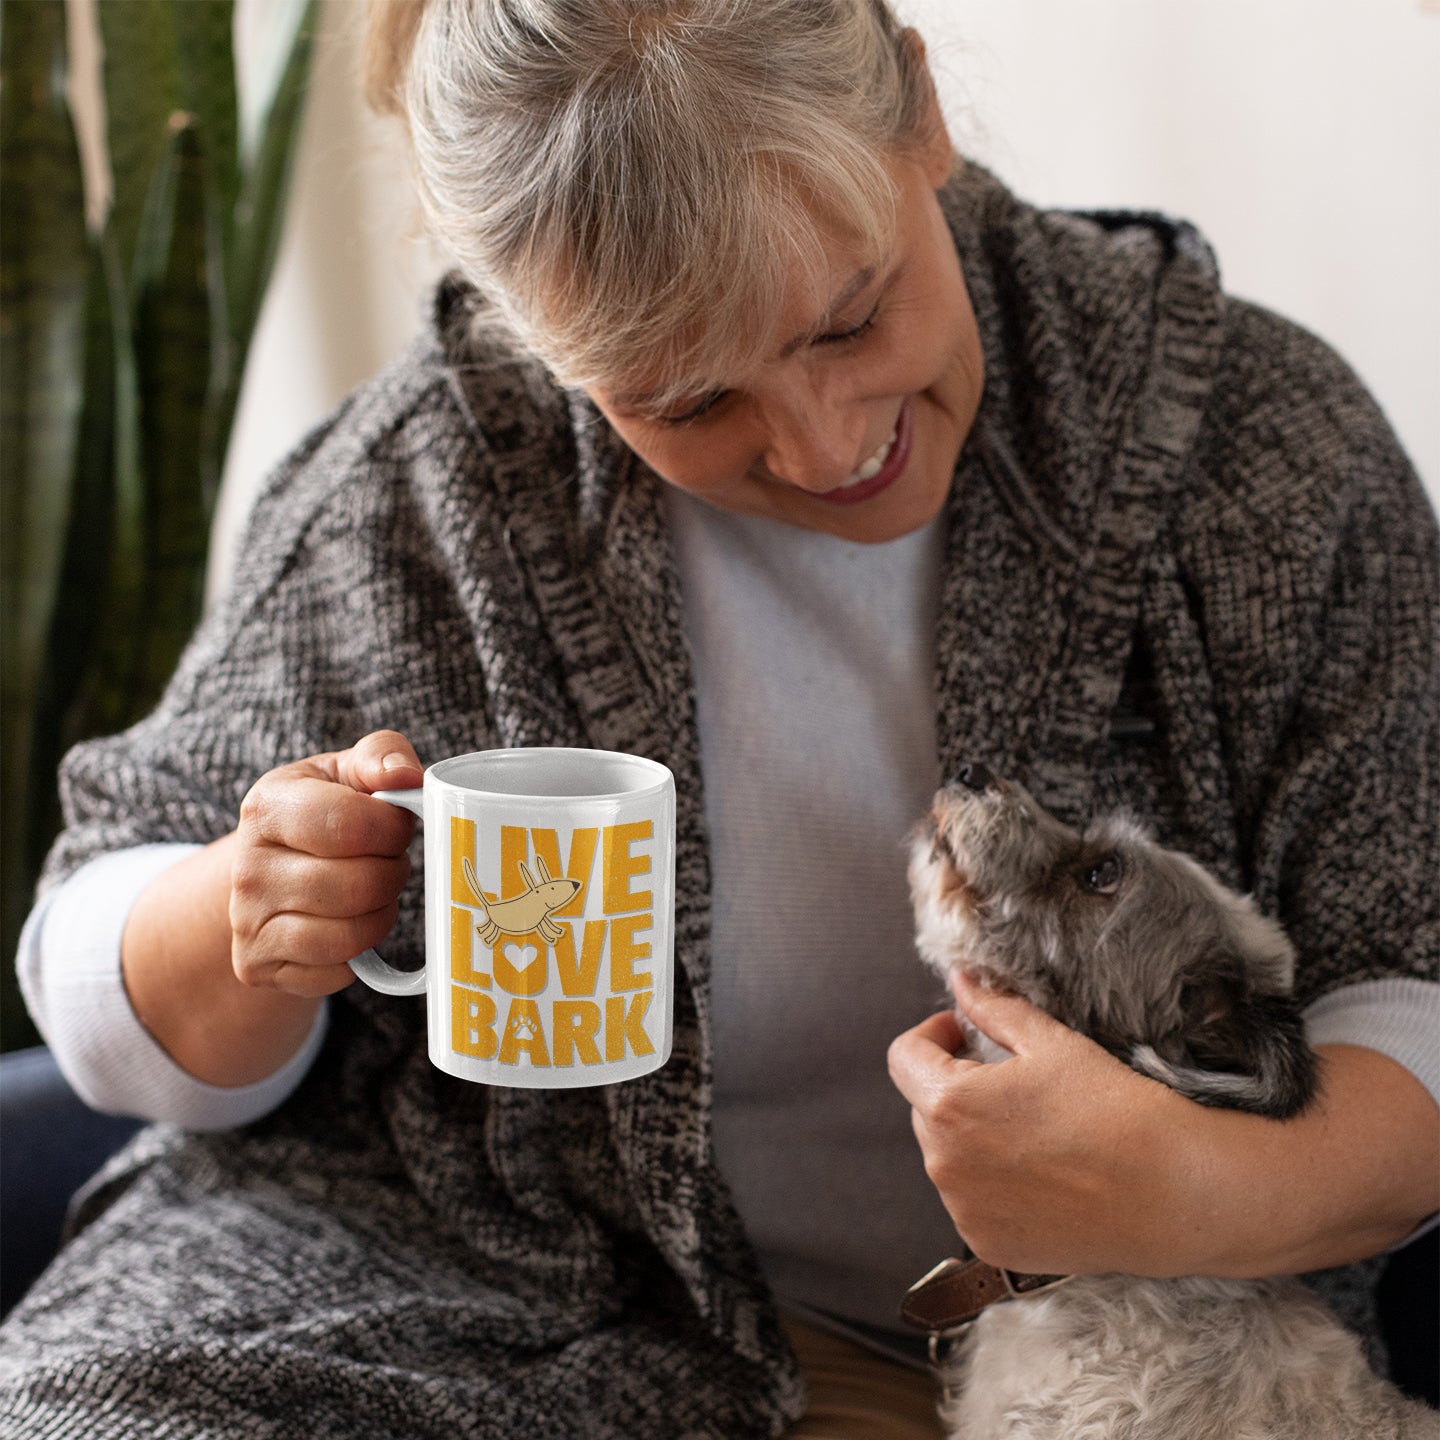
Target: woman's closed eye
691, 411
694, 411
852, 332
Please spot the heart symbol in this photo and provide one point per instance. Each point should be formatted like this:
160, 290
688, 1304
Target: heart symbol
523, 972
519, 959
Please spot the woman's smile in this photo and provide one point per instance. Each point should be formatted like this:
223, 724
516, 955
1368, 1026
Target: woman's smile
881, 470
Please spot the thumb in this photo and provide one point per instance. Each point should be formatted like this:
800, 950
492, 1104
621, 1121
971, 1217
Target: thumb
1009, 1020
383, 760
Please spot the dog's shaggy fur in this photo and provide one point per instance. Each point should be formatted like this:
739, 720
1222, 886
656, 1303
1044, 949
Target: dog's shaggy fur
1144, 951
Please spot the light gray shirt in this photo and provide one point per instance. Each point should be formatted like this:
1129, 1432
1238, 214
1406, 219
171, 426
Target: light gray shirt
814, 659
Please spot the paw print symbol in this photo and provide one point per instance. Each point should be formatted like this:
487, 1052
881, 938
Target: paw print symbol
524, 1028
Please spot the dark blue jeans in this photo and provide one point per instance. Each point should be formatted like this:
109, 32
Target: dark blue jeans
50, 1144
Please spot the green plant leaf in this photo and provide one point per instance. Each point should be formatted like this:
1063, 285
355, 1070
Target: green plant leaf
205, 51
45, 252
176, 179
260, 214
173, 359
63, 704
89, 682
121, 367
143, 89
44, 262
206, 36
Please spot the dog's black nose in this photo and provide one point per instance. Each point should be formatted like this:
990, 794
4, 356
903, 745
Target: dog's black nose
975, 776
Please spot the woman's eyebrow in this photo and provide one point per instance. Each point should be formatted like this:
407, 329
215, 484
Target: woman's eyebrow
637, 402
859, 281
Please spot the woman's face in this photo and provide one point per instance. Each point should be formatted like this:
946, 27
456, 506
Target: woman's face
853, 425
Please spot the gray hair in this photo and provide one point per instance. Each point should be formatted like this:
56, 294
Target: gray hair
633, 185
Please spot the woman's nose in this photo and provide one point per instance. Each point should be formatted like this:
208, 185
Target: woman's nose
815, 444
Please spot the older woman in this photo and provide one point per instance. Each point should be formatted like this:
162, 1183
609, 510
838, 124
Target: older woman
756, 434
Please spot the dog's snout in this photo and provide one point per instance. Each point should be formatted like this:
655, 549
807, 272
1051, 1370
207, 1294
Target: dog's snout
976, 776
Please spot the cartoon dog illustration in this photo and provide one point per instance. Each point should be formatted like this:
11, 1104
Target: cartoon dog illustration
527, 911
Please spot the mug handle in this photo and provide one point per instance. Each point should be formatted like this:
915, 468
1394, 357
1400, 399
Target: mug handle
368, 965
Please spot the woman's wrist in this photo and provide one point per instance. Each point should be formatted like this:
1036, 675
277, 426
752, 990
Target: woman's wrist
1349, 1177
175, 959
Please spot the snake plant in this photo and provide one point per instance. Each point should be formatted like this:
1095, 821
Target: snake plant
122, 349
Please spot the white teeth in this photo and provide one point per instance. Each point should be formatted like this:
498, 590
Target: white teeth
871, 467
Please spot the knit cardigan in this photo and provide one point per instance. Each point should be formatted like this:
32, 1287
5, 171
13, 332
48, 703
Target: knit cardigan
1188, 568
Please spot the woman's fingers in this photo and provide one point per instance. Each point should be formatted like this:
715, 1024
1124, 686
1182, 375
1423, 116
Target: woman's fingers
319, 864
927, 1055
383, 760
300, 884
309, 954
299, 807
1009, 1020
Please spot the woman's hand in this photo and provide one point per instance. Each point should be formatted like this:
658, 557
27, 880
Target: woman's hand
226, 955
1064, 1160
1052, 1161
318, 866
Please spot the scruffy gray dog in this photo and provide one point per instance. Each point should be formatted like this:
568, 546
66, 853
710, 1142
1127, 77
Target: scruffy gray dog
1141, 949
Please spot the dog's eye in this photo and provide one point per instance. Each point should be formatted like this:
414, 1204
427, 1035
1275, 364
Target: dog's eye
1103, 878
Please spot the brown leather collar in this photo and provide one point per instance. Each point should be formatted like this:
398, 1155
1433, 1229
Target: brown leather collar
955, 1292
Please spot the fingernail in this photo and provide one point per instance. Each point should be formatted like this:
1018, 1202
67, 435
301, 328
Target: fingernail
397, 761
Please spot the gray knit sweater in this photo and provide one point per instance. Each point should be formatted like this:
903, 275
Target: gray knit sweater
1188, 568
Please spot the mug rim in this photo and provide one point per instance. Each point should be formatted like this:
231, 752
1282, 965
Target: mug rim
516, 755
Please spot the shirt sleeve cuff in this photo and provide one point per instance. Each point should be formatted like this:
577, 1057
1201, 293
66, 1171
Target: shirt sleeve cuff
69, 968
1399, 1017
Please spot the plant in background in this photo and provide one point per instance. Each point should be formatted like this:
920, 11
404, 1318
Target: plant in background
121, 354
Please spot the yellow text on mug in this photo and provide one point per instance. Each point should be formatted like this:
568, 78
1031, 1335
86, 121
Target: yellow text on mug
550, 970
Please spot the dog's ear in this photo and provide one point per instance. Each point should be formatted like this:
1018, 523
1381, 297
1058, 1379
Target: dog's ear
1236, 1049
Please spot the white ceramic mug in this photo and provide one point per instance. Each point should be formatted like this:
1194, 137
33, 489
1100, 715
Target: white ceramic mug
549, 916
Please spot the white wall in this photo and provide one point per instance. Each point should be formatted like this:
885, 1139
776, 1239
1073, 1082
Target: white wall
351, 278
1303, 136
